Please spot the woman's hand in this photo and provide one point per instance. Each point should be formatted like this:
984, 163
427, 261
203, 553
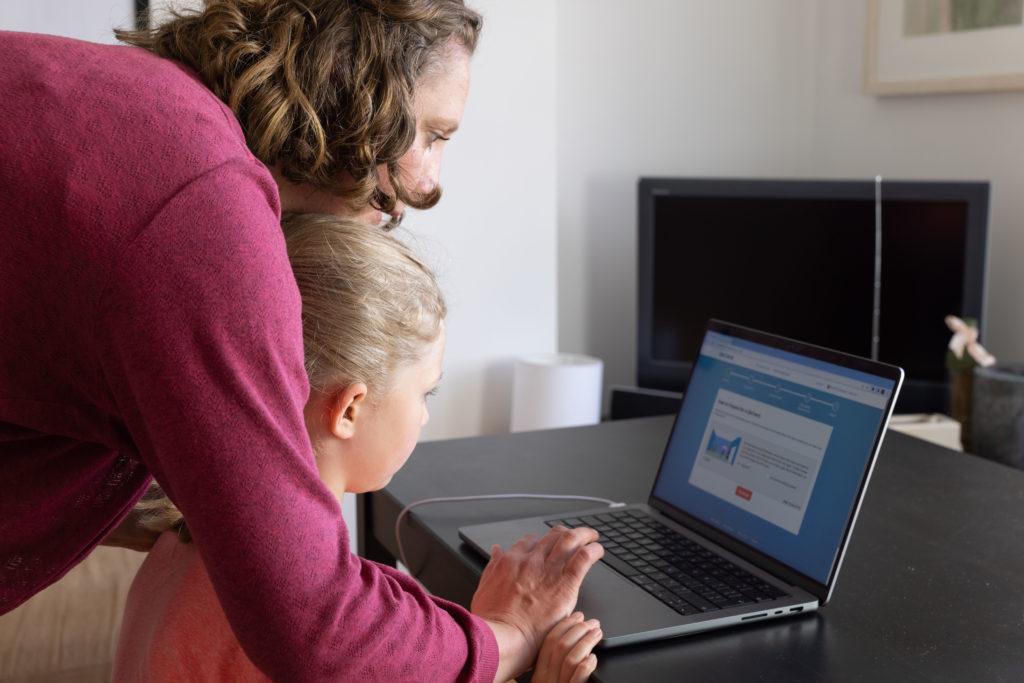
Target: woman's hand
525, 591
565, 656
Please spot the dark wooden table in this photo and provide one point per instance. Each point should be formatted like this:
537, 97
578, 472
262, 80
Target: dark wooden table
932, 587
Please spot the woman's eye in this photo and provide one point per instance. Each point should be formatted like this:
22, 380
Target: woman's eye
434, 137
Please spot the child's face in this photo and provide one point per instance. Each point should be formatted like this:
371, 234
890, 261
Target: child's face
389, 426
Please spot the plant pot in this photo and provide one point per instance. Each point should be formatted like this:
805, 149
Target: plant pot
962, 404
997, 420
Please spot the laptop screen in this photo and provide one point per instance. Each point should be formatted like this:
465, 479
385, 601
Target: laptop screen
771, 447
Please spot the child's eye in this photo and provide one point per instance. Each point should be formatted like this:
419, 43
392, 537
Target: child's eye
432, 392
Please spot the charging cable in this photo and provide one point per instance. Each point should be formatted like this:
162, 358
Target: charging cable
497, 496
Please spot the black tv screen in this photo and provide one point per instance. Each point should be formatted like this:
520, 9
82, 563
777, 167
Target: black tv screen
871, 268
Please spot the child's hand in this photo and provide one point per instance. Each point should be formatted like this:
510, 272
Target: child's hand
565, 655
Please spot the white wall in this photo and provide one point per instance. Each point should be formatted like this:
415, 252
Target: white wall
493, 235
748, 88
667, 87
86, 19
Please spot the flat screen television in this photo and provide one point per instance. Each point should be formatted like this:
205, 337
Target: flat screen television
871, 267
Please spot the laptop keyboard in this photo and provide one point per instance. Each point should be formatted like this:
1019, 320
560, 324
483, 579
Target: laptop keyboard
683, 574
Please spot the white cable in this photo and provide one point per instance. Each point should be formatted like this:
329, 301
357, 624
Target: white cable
876, 310
497, 496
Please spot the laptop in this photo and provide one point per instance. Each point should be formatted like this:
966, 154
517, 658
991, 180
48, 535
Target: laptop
755, 498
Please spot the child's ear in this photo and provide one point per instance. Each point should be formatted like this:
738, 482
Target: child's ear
346, 406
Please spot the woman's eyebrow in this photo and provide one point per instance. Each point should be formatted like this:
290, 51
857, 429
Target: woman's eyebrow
442, 124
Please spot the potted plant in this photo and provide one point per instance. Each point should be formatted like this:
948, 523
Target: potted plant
964, 353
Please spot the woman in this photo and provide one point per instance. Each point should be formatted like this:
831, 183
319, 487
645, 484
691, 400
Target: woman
150, 322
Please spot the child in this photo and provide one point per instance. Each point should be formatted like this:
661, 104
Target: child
373, 334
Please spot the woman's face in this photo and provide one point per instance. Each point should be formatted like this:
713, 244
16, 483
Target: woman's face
438, 102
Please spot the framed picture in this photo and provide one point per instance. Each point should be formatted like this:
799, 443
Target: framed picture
943, 46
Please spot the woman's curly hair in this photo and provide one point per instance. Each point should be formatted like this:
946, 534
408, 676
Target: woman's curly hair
321, 88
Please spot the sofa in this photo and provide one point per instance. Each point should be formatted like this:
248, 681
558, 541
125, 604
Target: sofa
68, 632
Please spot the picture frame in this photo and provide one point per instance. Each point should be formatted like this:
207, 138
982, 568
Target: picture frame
929, 46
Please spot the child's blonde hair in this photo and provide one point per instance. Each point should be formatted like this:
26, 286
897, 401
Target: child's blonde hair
369, 306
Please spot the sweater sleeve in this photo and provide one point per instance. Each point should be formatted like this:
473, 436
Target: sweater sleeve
200, 329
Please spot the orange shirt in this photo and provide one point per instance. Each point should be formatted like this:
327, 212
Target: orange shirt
174, 629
